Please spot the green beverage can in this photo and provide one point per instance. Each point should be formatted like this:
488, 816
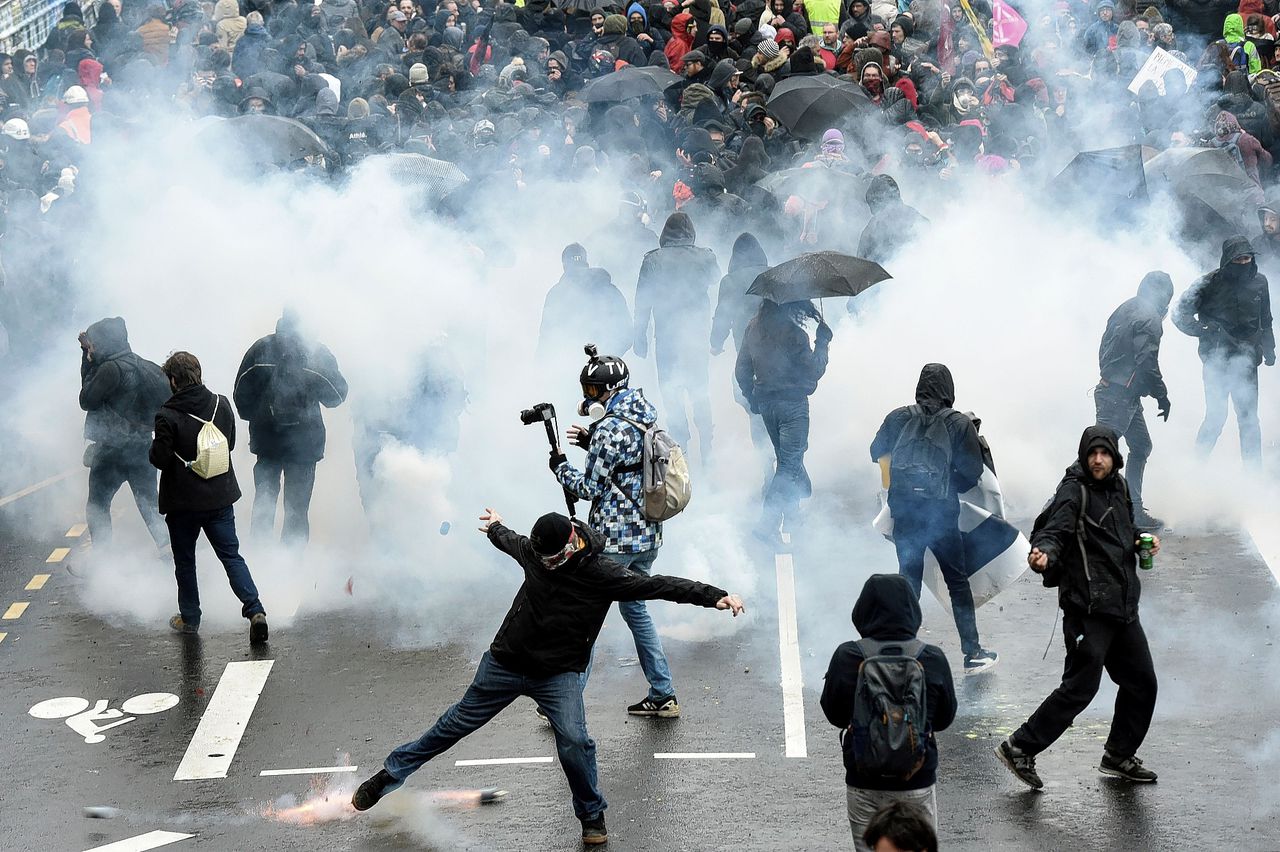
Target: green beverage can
1146, 544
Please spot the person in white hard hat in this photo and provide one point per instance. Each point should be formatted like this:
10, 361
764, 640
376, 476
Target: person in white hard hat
77, 123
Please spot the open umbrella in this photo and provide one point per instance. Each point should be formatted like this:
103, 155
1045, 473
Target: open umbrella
1204, 177
627, 82
266, 139
808, 106
1110, 179
817, 275
436, 178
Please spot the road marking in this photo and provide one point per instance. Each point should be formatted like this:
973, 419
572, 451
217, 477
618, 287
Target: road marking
143, 842
218, 735
15, 610
503, 761
32, 489
1266, 541
789, 651
705, 755
77, 531
59, 554
314, 770
37, 582
2, 635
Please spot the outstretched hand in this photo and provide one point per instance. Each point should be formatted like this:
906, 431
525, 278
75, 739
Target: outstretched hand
490, 517
1038, 560
732, 602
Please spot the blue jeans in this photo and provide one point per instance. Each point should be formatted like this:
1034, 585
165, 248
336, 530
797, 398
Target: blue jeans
219, 527
492, 689
935, 525
653, 660
787, 421
1234, 378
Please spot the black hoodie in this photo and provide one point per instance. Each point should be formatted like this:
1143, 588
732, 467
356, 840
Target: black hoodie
109, 386
1229, 309
936, 392
674, 289
888, 609
1130, 351
1095, 571
734, 308
175, 443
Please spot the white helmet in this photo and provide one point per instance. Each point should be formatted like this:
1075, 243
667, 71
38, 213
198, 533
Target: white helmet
16, 128
75, 95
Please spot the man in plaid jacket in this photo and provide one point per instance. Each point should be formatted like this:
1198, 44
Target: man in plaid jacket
612, 480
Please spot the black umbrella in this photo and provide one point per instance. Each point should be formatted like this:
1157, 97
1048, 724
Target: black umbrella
1111, 179
817, 275
267, 139
1205, 177
627, 82
808, 106
436, 178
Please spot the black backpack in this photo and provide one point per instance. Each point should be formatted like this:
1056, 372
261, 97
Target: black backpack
285, 399
921, 460
149, 390
889, 733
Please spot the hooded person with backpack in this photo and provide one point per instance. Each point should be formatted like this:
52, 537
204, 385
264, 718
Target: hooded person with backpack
195, 432
887, 758
1085, 544
935, 455
281, 384
119, 393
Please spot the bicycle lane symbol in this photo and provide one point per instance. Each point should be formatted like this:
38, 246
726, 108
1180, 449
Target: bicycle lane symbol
85, 719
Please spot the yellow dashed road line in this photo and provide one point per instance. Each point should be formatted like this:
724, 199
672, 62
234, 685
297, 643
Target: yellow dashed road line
15, 610
37, 582
2, 635
59, 554
77, 531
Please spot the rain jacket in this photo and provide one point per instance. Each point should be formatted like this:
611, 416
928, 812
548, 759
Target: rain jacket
1130, 352
776, 361
615, 445
674, 289
280, 386
175, 443
680, 43
230, 24
936, 392
108, 386
1099, 34
89, 74
1095, 569
246, 59
734, 308
1233, 35
557, 614
888, 610
1230, 320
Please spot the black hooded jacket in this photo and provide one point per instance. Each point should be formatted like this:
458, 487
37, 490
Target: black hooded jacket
557, 614
674, 289
109, 387
893, 225
886, 610
776, 361
1130, 352
175, 443
1095, 570
1229, 310
734, 308
936, 392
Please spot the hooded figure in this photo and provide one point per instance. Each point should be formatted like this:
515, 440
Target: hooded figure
1099, 35
1247, 151
887, 616
228, 23
893, 225
680, 42
1229, 311
1242, 54
734, 308
583, 303
1129, 365
934, 455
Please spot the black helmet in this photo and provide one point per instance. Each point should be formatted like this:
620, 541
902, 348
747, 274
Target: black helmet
603, 374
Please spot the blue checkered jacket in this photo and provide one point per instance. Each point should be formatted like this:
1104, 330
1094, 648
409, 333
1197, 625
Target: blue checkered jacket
616, 497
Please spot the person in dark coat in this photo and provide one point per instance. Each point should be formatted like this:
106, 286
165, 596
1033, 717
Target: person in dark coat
192, 504
893, 225
1129, 365
541, 649
1089, 551
118, 410
734, 308
620, 245
888, 613
583, 302
1229, 312
778, 370
246, 57
923, 522
281, 384
674, 291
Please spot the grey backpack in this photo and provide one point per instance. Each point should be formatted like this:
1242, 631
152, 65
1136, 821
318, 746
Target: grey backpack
666, 489
889, 732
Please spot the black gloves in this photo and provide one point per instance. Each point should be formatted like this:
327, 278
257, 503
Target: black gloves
823, 334
557, 458
1162, 404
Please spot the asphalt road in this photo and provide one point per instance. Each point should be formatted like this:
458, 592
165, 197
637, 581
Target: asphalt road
334, 694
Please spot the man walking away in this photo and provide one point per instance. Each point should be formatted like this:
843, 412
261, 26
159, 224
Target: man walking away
120, 393
1085, 544
1229, 310
191, 503
887, 616
674, 289
613, 480
935, 457
280, 386
1129, 364
777, 372
584, 299
541, 649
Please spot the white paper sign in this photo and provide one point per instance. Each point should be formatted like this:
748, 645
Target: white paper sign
1159, 63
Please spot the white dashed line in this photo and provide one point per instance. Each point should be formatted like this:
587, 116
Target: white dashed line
312, 770
503, 761
789, 651
214, 744
705, 755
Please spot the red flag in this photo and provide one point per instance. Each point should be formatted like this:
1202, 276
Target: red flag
1007, 26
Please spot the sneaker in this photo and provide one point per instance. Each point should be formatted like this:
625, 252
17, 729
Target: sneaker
1144, 520
593, 831
258, 629
368, 793
1020, 764
1130, 769
664, 708
537, 711
177, 624
980, 662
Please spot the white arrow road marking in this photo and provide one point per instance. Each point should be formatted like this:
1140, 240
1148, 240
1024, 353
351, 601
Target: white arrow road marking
143, 842
218, 735
789, 649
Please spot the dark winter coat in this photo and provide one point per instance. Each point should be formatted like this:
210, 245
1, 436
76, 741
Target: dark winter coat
734, 308
888, 610
280, 386
892, 226
557, 615
1130, 352
109, 385
776, 361
175, 443
1096, 572
246, 57
585, 302
674, 289
936, 392
1230, 318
